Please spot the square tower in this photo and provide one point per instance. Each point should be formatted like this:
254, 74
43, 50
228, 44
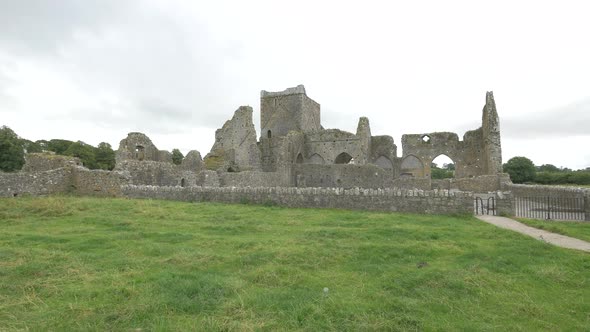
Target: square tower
284, 111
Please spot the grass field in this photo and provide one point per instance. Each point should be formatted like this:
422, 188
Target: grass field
115, 264
577, 229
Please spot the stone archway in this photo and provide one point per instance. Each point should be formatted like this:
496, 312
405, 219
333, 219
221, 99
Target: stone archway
384, 162
412, 166
343, 158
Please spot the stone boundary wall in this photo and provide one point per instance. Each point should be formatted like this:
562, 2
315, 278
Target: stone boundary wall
525, 190
97, 182
412, 201
36, 183
254, 179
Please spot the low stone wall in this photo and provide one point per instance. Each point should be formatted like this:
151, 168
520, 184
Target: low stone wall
341, 176
478, 184
39, 162
156, 173
415, 183
412, 201
36, 183
255, 179
97, 183
525, 190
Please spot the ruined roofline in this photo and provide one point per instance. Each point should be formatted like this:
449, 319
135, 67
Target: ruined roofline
300, 89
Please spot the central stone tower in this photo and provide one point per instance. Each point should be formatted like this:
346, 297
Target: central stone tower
289, 110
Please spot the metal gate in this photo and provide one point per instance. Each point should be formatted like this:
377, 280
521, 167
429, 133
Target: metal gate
485, 206
550, 208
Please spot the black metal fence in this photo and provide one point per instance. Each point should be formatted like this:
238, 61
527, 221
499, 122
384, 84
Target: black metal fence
555, 208
484, 205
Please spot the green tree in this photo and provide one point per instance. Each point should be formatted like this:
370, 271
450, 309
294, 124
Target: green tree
59, 146
177, 157
548, 168
105, 156
31, 147
521, 169
12, 155
83, 151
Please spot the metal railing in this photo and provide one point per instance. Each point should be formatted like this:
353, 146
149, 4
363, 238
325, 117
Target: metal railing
487, 206
550, 208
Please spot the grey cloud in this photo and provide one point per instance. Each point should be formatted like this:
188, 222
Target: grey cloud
567, 121
171, 74
32, 26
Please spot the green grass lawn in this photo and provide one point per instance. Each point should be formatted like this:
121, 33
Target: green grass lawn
578, 229
115, 264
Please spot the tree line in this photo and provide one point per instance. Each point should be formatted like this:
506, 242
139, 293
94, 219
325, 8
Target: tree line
13, 149
523, 170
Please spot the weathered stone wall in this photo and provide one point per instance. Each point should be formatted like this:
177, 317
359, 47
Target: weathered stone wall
36, 162
192, 162
289, 110
137, 146
432, 202
479, 153
36, 183
525, 190
412, 183
341, 176
492, 146
235, 143
155, 173
478, 184
87, 182
279, 178
329, 144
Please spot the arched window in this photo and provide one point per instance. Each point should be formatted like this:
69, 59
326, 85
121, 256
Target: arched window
412, 166
343, 158
442, 167
269, 134
299, 159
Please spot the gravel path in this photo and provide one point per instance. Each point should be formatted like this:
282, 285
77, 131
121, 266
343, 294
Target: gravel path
555, 239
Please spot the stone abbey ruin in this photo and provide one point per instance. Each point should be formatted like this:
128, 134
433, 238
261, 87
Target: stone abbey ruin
296, 162
294, 150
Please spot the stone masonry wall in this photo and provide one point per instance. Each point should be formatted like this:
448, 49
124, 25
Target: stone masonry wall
87, 182
35, 183
525, 190
431, 202
280, 178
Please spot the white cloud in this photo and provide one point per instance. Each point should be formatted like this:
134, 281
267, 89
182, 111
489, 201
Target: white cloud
177, 70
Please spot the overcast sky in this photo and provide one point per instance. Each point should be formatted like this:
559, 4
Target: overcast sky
95, 70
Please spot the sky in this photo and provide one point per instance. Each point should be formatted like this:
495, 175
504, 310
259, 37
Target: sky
96, 70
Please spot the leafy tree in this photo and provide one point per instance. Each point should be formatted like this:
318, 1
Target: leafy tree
441, 173
548, 168
83, 151
177, 157
12, 155
59, 146
521, 169
105, 156
31, 147
449, 166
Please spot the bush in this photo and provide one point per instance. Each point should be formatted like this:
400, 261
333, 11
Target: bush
521, 169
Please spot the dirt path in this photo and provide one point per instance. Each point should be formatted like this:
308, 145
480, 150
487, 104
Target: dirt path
552, 238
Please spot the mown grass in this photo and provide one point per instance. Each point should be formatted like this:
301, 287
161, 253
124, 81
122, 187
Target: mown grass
576, 229
115, 264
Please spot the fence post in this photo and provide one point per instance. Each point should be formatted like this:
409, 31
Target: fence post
587, 206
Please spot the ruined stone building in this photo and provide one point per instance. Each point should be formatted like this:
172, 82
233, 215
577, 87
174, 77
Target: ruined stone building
296, 162
294, 150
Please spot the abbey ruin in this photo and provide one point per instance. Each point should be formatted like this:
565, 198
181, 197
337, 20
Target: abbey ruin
297, 162
294, 150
